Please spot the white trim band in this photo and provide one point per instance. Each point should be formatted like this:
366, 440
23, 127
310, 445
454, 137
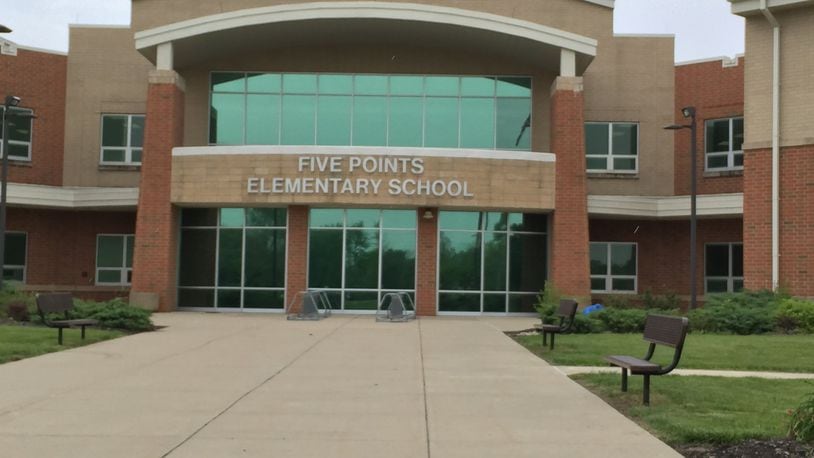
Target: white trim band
366, 10
726, 205
500, 155
31, 195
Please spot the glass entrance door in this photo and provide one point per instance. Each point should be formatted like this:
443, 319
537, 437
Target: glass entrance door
357, 255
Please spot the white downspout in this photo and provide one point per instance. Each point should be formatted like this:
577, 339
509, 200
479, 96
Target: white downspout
764, 8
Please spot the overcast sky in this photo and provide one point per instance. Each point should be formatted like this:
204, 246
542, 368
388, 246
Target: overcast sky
703, 28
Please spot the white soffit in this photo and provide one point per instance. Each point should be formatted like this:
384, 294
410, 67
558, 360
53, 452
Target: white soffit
665, 207
746, 7
276, 150
605, 3
29, 195
367, 10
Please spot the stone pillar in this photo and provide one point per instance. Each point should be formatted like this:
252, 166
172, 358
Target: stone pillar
427, 263
156, 245
570, 270
296, 254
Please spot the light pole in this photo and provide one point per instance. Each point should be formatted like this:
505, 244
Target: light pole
11, 102
689, 113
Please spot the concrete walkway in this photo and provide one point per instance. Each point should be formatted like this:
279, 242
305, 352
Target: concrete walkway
257, 385
571, 370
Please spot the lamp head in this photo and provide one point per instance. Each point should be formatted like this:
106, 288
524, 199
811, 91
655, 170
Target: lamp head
4, 29
12, 101
688, 112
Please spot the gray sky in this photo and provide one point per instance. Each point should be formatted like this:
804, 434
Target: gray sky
703, 28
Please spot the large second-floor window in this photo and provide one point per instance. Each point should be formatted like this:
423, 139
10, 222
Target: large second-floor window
19, 134
481, 112
612, 146
724, 144
122, 139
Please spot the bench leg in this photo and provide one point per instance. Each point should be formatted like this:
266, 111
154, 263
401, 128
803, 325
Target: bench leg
545, 339
59, 339
83, 333
624, 380
646, 392
552, 340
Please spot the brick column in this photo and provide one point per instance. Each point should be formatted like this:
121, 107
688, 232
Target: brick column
569, 229
427, 259
296, 253
757, 219
156, 244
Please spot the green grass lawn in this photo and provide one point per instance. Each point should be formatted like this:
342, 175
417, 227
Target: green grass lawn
18, 342
704, 409
701, 351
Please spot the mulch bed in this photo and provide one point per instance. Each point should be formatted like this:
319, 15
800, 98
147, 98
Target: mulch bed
749, 449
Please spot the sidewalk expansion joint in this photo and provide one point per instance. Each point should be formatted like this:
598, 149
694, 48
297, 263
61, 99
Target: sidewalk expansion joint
424, 386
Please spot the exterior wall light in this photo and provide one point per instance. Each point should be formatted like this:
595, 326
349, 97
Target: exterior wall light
428, 215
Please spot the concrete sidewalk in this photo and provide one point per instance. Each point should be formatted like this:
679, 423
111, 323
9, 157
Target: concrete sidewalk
257, 385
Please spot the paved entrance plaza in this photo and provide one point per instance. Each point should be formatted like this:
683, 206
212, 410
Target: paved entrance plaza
256, 385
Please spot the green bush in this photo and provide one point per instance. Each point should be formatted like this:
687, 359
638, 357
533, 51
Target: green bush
801, 426
747, 312
621, 320
619, 302
114, 314
587, 324
669, 301
9, 294
795, 315
547, 303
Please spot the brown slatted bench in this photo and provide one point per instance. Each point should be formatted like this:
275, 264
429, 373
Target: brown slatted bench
658, 330
566, 311
60, 303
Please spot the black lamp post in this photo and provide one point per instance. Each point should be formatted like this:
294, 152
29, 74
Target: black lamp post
689, 112
11, 102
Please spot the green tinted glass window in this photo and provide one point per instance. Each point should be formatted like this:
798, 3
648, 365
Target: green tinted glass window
226, 119
398, 260
196, 257
370, 121
336, 84
399, 219
470, 221
441, 122
362, 218
299, 117
625, 139
299, 84
265, 258
458, 302
137, 131
114, 130
599, 259
513, 123
334, 120
477, 117
478, 86
262, 119
110, 251
442, 86
231, 217
623, 259
371, 85
362, 259
494, 261
264, 83
460, 260
406, 121
406, 85
514, 87
327, 217
15, 249
228, 82
266, 217
526, 273
230, 254
596, 139
325, 259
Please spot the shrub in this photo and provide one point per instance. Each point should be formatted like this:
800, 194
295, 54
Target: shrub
795, 315
667, 301
547, 303
115, 314
801, 426
739, 313
9, 294
587, 324
621, 320
618, 302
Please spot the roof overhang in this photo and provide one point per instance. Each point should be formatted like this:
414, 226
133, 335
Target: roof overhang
750, 7
367, 22
72, 198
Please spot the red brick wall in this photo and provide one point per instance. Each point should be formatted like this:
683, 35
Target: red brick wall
796, 219
62, 247
427, 259
663, 248
38, 78
297, 254
715, 92
569, 239
156, 250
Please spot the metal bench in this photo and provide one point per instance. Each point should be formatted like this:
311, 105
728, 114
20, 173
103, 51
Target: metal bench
658, 330
566, 311
60, 303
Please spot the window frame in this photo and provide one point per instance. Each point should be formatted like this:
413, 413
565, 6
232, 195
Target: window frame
609, 277
125, 272
609, 167
28, 112
730, 278
730, 155
128, 148
24, 267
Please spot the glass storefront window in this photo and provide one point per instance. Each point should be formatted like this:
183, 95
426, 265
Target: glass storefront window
491, 262
232, 258
357, 255
482, 112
